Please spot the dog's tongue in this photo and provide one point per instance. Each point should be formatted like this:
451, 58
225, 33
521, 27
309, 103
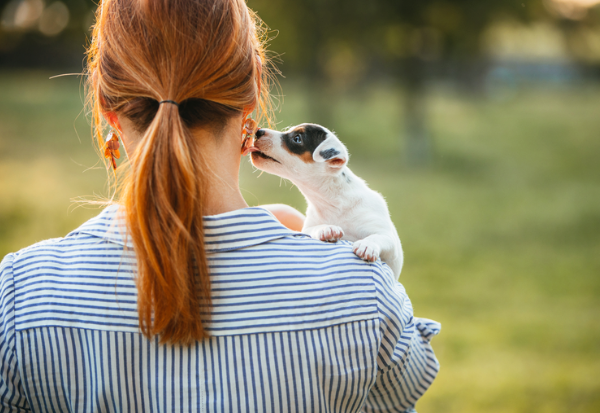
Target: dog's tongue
250, 150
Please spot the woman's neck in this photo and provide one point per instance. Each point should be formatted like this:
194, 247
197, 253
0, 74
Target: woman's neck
222, 156
221, 153
223, 195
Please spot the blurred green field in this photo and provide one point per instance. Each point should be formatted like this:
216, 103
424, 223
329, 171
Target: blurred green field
501, 235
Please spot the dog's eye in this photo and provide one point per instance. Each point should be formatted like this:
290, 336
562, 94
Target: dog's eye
297, 139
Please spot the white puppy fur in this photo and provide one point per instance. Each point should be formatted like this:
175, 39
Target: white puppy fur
340, 204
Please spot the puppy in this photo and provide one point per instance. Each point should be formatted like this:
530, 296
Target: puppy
340, 204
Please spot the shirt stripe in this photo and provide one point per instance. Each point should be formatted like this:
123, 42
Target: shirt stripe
297, 325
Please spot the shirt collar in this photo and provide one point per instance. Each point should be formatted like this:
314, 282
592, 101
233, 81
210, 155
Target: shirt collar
232, 230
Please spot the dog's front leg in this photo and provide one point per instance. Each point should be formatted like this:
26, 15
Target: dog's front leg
375, 246
327, 233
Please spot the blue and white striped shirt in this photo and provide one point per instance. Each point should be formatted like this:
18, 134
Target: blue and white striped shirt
298, 325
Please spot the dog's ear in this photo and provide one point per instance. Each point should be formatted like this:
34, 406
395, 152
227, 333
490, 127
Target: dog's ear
332, 151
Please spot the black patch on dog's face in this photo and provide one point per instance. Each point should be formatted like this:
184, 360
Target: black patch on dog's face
304, 138
329, 153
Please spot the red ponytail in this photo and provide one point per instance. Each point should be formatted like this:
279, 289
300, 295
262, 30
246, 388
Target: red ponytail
202, 54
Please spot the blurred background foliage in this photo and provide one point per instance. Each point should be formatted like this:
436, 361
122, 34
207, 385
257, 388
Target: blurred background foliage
479, 122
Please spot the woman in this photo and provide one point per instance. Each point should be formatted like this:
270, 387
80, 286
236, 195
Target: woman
180, 297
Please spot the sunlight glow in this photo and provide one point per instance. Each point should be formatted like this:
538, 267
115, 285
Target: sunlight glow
570, 9
583, 3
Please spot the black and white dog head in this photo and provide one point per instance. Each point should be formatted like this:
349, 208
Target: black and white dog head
299, 153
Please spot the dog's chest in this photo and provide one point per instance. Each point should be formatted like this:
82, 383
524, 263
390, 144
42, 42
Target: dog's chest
357, 223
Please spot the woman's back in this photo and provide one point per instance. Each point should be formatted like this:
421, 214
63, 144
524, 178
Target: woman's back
230, 312
296, 325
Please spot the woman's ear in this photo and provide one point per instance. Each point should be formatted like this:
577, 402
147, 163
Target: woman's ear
112, 119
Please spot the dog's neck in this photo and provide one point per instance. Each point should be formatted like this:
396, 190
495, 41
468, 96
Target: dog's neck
331, 192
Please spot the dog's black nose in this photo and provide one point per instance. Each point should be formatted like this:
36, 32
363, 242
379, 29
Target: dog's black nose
260, 133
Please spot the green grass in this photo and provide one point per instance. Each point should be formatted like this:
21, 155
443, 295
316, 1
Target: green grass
501, 234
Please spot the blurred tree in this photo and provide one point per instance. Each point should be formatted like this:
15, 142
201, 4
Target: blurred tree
579, 22
49, 33
336, 42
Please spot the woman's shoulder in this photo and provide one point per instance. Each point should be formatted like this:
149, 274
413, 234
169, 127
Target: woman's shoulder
37, 246
89, 236
272, 279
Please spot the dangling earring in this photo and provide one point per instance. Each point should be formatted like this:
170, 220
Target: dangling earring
111, 148
248, 131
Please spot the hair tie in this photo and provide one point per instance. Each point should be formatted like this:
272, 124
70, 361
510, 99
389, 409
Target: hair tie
169, 101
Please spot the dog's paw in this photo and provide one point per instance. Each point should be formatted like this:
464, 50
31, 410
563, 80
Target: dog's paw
367, 250
329, 233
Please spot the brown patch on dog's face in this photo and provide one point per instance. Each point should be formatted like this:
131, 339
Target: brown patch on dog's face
307, 157
303, 140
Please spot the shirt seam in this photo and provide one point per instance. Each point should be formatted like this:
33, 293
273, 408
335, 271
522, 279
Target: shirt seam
14, 312
378, 330
376, 317
389, 368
